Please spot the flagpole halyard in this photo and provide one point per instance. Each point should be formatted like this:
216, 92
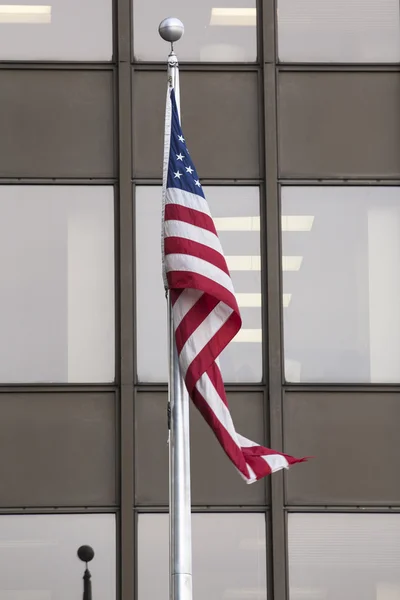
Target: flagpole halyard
180, 559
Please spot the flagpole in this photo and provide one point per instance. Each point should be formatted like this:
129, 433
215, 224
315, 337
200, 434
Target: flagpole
180, 528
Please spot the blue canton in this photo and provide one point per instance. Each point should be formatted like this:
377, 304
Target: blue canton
181, 171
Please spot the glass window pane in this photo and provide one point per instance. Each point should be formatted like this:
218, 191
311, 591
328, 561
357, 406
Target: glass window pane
57, 284
223, 31
229, 558
236, 215
73, 30
341, 281
344, 556
339, 31
38, 559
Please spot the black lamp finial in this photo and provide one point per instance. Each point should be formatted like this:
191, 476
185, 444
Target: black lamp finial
86, 554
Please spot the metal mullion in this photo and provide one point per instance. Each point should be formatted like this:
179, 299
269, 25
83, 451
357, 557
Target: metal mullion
205, 182
62, 388
56, 66
205, 508
229, 387
126, 537
342, 181
200, 67
59, 510
335, 388
348, 508
274, 308
54, 181
338, 67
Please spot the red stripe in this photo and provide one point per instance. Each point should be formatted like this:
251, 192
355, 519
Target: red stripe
193, 318
292, 460
259, 466
175, 295
205, 358
176, 212
189, 279
240, 456
259, 451
256, 451
215, 376
232, 450
178, 245
245, 459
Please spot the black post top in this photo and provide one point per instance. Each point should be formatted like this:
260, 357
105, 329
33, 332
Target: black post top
86, 553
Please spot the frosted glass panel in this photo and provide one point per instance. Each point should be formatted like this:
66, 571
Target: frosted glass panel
344, 556
229, 558
342, 284
38, 559
223, 31
57, 284
236, 216
74, 30
339, 31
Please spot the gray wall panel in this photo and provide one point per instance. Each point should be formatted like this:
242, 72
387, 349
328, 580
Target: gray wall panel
57, 449
214, 479
219, 119
354, 440
56, 123
339, 124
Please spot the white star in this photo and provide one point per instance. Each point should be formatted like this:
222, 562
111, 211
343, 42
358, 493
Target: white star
177, 175
181, 138
197, 182
180, 156
189, 170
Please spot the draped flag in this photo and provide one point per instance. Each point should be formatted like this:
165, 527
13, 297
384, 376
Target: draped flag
205, 311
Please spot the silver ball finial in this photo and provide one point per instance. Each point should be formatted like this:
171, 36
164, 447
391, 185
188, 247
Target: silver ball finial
171, 29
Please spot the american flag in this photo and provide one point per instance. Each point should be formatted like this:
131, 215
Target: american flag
205, 311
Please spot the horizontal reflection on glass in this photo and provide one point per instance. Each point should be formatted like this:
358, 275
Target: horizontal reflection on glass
222, 31
238, 17
57, 284
20, 13
229, 556
289, 223
38, 559
344, 556
241, 360
339, 31
342, 320
44, 31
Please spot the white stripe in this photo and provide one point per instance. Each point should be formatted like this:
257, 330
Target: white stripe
237, 223
187, 299
245, 443
203, 334
186, 262
252, 476
167, 144
177, 88
206, 388
248, 336
183, 198
192, 232
249, 299
244, 263
276, 462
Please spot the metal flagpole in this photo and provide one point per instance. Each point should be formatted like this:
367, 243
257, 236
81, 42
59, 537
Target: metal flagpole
180, 526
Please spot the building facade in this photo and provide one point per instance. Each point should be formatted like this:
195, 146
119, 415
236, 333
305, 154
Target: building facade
291, 111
